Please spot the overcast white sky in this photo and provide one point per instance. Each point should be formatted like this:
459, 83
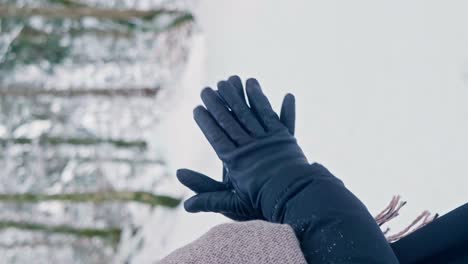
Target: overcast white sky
381, 90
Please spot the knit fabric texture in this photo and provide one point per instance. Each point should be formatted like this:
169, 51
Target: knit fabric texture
250, 242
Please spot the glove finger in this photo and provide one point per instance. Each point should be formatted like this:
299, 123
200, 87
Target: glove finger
224, 117
236, 82
288, 112
240, 109
220, 142
261, 106
198, 182
217, 202
210, 202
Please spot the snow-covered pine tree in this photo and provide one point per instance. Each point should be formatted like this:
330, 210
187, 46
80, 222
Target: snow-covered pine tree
80, 82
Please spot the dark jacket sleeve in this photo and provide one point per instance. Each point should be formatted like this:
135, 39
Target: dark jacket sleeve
445, 240
331, 223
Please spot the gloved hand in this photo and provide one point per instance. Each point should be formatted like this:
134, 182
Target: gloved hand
270, 174
209, 189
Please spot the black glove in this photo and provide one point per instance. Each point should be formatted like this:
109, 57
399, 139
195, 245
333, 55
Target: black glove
206, 187
270, 174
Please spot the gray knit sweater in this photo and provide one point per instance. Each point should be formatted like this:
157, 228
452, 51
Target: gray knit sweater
251, 242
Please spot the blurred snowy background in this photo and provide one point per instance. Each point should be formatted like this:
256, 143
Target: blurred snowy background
381, 92
381, 89
83, 87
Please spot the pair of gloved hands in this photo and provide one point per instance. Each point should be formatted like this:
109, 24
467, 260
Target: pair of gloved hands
221, 197
267, 176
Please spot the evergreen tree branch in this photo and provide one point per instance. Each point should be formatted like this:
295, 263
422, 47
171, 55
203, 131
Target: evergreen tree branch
110, 234
27, 91
94, 197
34, 243
49, 140
121, 160
98, 159
180, 20
37, 35
68, 3
83, 11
